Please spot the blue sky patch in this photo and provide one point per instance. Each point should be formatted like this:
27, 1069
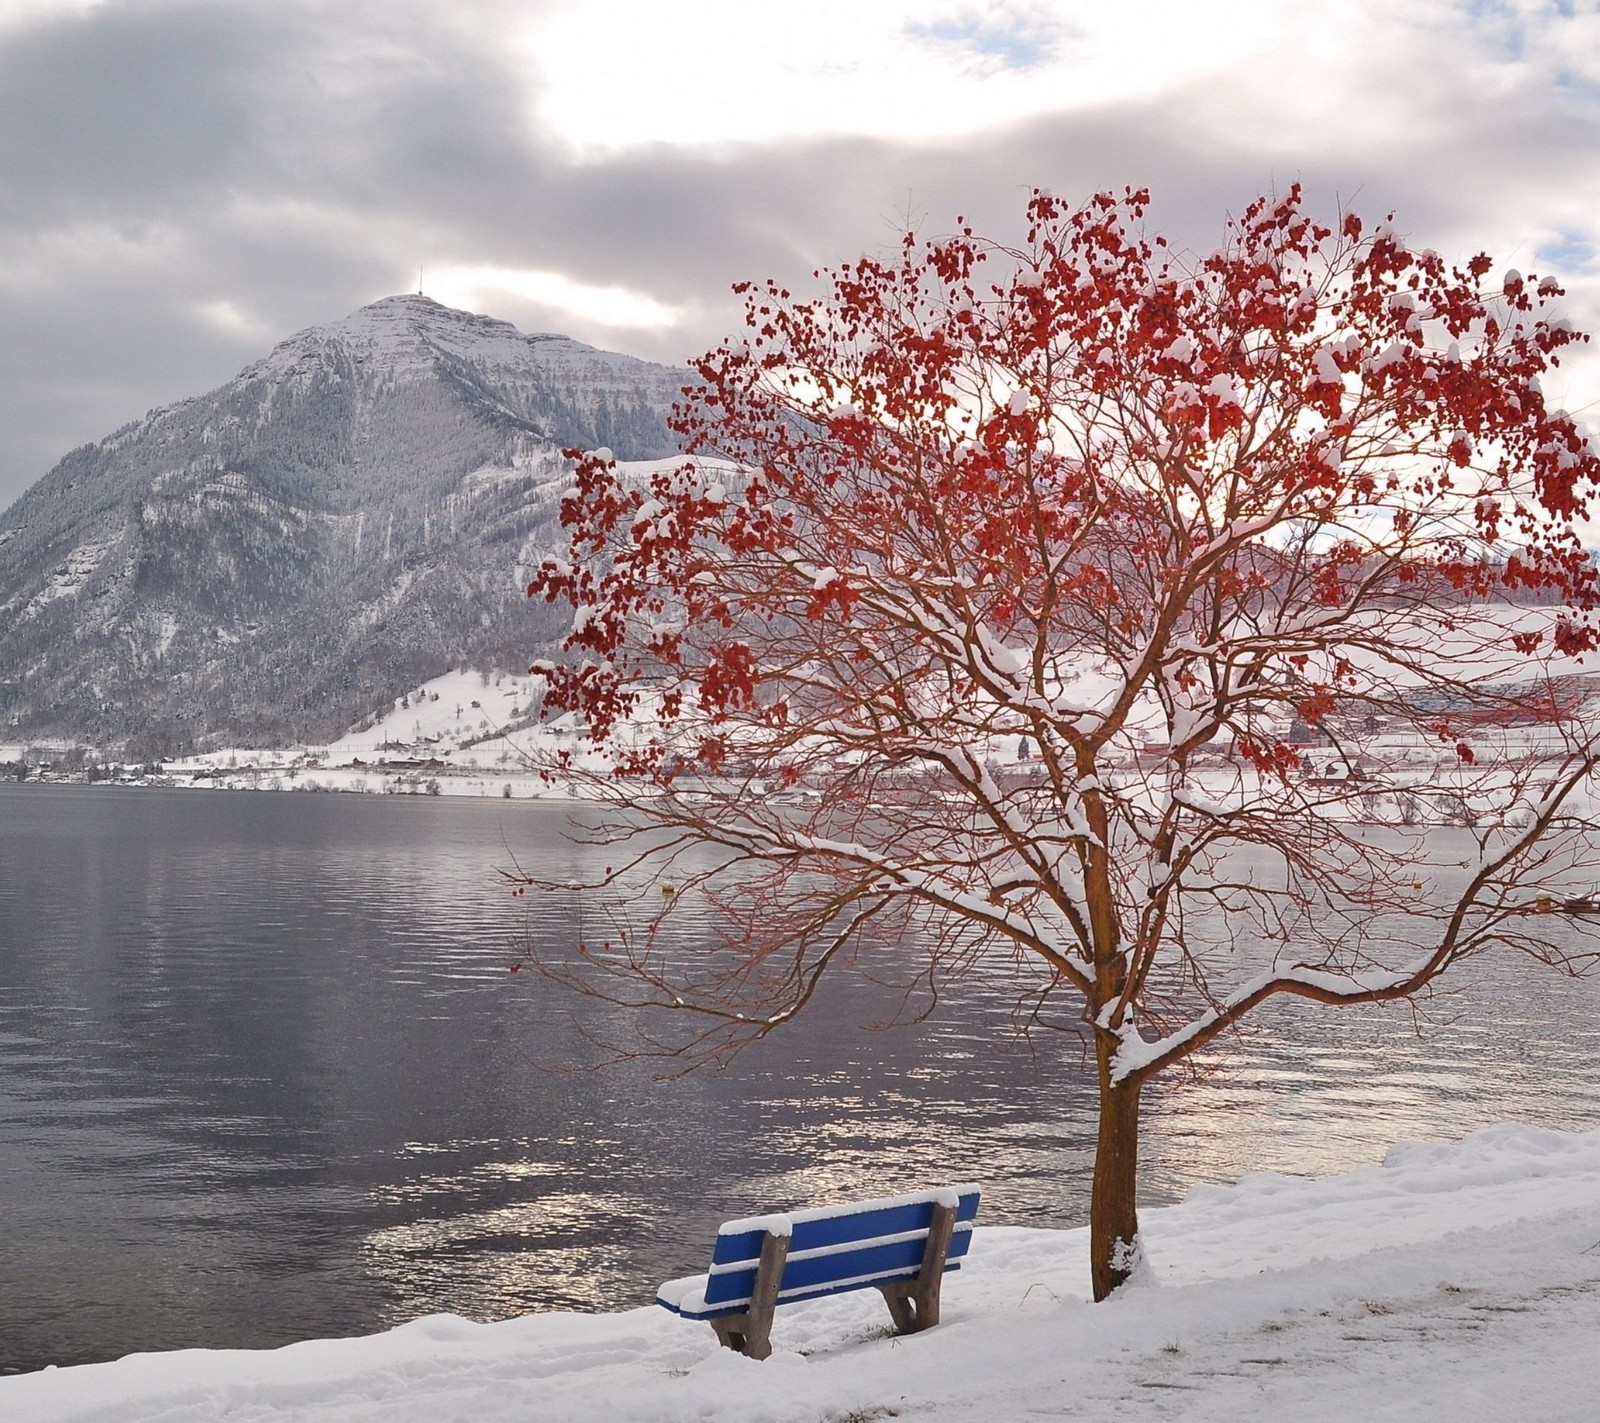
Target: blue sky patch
1011, 41
1569, 252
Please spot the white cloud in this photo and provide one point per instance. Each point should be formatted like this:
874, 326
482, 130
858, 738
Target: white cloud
475, 289
22, 12
229, 318
726, 71
57, 259
612, 75
186, 181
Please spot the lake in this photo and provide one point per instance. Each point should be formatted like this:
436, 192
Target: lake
265, 1076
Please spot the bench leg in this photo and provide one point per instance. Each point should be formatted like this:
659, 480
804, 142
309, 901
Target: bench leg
914, 1303
750, 1333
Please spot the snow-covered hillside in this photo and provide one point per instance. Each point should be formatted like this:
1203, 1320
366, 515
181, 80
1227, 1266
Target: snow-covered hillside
350, 516
464, 733
1457, 1281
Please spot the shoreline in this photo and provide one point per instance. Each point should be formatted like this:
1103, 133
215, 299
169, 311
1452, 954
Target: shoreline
1454, 1277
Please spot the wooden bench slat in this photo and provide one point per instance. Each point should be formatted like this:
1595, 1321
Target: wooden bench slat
824, 1252
690, 1306
816, 1230
898, 1259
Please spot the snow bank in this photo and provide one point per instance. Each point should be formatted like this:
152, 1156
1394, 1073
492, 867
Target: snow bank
1455, 1280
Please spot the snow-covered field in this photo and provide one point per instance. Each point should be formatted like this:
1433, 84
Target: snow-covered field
465, 733
1456, 1281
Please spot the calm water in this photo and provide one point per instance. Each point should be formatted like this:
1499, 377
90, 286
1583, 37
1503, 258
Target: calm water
264, 1076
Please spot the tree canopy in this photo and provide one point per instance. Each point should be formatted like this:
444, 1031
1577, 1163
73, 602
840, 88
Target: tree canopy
1133, 615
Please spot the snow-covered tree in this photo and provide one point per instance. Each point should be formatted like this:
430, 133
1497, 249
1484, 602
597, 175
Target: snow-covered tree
1271, 555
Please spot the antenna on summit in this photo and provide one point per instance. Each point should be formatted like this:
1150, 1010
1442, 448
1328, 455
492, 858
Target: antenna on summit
419, 281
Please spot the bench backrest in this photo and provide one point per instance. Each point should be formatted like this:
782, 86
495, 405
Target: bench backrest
837, 1248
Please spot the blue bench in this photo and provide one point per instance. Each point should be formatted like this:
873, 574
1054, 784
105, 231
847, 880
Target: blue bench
901, 1245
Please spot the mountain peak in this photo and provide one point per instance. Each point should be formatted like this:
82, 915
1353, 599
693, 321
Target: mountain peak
362, 505
414, 310
410, 331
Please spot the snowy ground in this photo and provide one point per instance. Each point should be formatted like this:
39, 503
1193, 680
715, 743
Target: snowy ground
1457, 1281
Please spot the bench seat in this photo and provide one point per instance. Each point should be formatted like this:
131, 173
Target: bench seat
902, 1245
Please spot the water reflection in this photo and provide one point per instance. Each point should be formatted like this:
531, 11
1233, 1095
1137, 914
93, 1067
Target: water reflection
263, 1075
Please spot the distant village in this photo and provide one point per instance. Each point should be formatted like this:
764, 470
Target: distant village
477, 734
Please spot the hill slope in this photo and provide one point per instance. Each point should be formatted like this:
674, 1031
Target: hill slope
346, 518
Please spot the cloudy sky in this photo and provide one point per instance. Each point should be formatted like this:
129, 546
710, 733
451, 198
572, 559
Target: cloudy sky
185, 182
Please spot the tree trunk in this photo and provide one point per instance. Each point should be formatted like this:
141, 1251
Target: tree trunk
1113, 1216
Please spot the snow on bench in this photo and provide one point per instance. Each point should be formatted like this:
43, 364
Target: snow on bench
901, 1245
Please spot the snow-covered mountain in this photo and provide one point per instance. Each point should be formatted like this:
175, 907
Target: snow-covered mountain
348, 517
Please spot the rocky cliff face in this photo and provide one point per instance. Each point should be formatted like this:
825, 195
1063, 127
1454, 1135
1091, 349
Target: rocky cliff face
350, 516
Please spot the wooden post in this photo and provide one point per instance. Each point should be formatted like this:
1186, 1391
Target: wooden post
914, 1303
764, 1297
750, 1333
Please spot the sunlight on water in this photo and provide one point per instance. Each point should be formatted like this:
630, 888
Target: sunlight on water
264, 1075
